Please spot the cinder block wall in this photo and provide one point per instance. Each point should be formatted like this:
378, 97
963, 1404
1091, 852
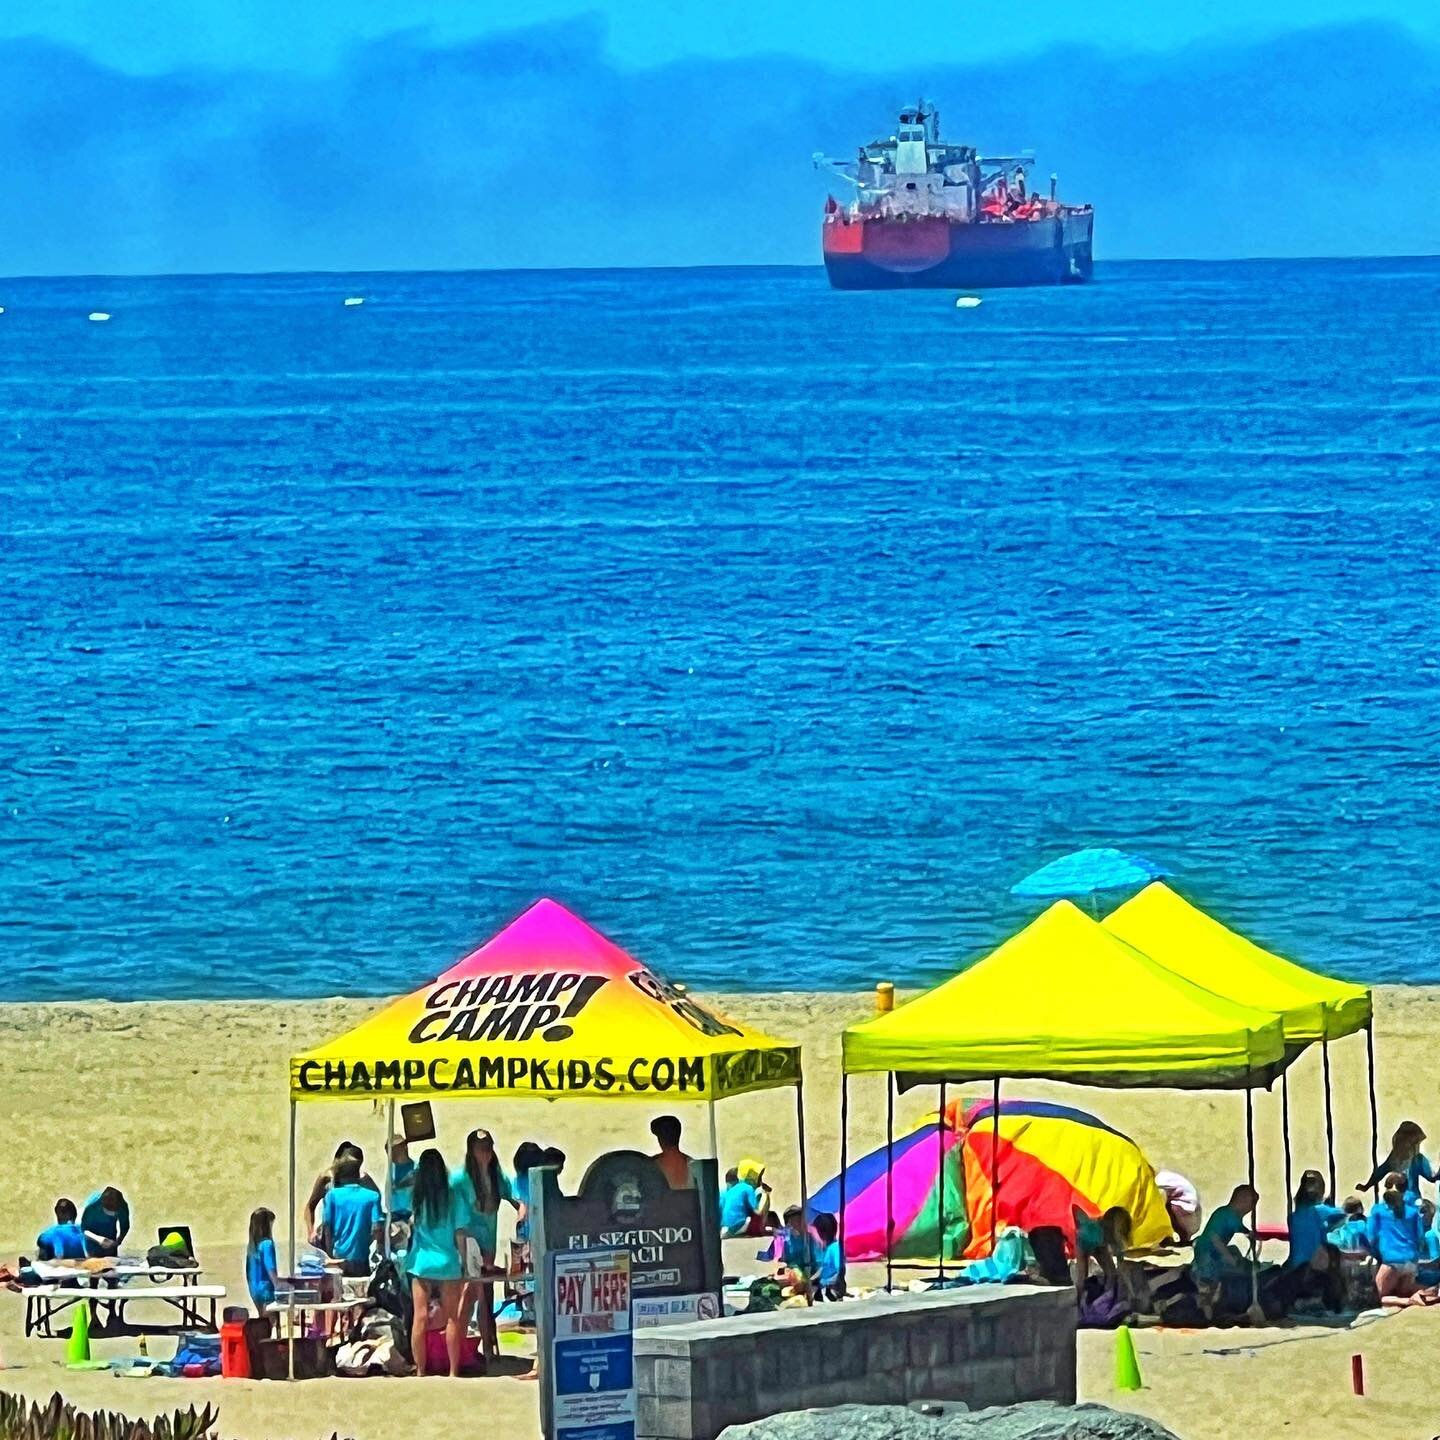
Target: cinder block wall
990, 1345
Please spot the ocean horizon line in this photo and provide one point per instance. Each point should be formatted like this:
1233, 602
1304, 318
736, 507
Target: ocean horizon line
705, 269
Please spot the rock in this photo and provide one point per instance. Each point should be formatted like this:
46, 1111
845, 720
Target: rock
1036, 1420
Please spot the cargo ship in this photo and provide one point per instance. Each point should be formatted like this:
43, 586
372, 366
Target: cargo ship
932, 215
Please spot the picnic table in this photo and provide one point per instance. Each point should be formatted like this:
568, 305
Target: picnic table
109, 1293
303, 1305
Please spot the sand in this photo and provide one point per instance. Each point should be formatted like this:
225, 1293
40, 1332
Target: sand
183, 1105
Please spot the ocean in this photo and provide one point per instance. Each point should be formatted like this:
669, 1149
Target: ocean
777, 631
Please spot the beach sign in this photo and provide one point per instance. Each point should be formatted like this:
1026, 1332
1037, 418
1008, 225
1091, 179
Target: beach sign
551, 1008
672, 1236
590, 1375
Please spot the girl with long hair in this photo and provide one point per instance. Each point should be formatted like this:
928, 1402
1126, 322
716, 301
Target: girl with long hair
482, 1185
1397, 1241
433, 1259
1406, 1159
261, 1268
1312, 1269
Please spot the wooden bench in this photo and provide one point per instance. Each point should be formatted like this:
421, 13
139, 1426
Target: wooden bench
196, 1304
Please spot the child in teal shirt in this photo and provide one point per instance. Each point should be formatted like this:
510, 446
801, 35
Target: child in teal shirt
1220, 1271
799, 1254
831, 1283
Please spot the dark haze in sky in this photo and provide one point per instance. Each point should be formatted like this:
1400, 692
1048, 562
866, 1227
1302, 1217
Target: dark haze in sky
533, 149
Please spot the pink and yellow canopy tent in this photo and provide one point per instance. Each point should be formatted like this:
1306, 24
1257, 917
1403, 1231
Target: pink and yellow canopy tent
547, 1009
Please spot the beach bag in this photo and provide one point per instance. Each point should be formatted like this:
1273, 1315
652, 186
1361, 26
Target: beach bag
369, 1357
1102, 1312
390, 1290
765, 1295
157, 1257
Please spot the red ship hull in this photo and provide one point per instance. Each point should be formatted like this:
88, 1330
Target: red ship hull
932, 252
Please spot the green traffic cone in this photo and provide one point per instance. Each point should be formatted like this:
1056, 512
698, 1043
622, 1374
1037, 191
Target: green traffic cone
77, 1350
1127, 1367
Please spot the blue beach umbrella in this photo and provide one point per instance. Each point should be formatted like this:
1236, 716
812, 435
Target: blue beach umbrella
1086, 873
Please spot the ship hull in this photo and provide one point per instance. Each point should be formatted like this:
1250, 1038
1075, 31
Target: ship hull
932, 252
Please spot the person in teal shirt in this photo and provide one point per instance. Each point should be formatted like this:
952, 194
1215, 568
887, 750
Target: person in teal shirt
1428, 1219
351, 1218
402, 1179
433, 1261
1397, 1241
106, 1222
1221, 1273
1215, 1256
1312, 1219
1404, 1159
799, 1254
261, 1267
745, 1202
831, 1283
481, 1185
1312, 1268
1103, 1239
64, 1240
1351, 1235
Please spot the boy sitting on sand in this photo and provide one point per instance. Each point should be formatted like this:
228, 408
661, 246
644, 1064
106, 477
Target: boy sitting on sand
1221, 1273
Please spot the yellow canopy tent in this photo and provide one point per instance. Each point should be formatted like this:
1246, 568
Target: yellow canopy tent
1312, 1007
1185, 939
549, 1009
1064, 999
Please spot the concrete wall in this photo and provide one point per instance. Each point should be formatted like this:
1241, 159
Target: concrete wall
989, 1345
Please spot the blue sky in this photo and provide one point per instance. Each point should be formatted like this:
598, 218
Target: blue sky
163, 137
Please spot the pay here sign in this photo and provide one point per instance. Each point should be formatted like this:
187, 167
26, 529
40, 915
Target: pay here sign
591, 1362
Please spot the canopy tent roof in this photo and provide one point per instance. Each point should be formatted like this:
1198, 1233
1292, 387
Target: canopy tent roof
1084, 872
1066, 1000
548, 1008
1185, 939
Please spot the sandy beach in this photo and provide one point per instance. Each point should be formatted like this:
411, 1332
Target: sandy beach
183, 1105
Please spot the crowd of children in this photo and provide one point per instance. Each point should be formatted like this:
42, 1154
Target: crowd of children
443, 1229
1398, 1232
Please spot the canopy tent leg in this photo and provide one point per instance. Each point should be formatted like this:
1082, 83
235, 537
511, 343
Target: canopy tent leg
940, 1188
1250, 1137
844, 1152
714, 1136
1374, 1101
889, 1180
804, 1177
389, 1172
294, 1265
1285, 1134
1329, 1112
1255, 1219
994, 1166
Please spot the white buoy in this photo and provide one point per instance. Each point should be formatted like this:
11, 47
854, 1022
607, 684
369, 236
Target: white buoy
99, 315
355, 300
2, 309
967, 302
